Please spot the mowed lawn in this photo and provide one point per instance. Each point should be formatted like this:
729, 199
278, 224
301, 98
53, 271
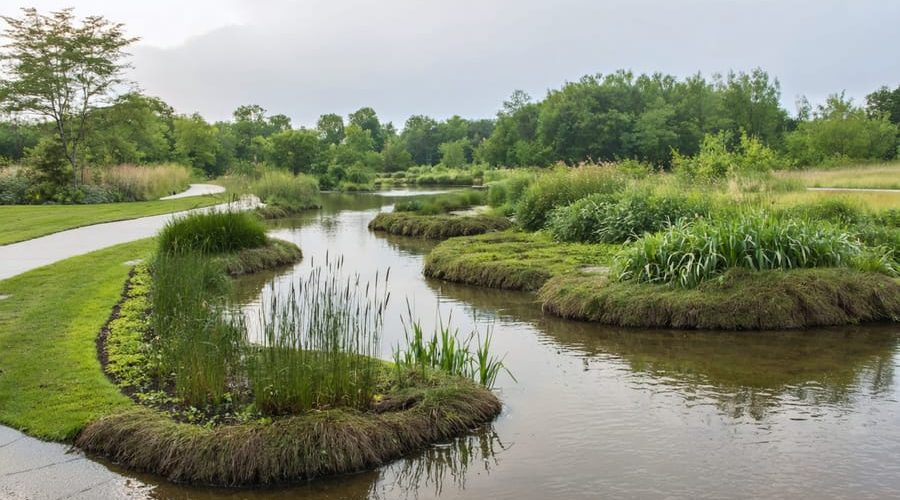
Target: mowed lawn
51, 383
24, 222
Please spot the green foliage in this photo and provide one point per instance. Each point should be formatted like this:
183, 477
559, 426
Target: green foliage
841, 132
193, 344
562, 187
134, 129
128, 358
688, 253
884, 103
453, 154
511, 260
447, 353
442, 203
715, 160
437, 227
211, 233
608, 219
297, 151
318, 346
739, 299
197, 143
290, 192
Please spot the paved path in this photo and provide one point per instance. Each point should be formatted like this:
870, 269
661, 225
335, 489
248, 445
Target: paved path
34, 469
196, 190
17, 258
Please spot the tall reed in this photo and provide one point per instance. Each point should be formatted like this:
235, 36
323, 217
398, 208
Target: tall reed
145, 182
288, 191
318, 347
212, 232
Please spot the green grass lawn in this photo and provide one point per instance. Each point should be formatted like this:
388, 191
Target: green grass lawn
24, 222
51, 383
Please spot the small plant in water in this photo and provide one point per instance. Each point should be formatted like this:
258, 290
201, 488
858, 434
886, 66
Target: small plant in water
444, 351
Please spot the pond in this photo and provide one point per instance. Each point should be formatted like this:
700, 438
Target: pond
611, 412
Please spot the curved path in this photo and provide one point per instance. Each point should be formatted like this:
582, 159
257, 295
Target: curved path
196, 190
35, 469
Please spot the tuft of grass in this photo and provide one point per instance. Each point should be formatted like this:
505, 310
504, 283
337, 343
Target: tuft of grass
511, 259
437, 227
740, 300
562, 187
689, 253
275, 253
444, 351
287, 192
441, 204
211, 233
144, 182
317, 347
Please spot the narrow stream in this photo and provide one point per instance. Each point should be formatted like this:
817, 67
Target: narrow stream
607, 412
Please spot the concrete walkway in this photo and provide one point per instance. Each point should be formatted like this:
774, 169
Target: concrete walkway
196, 190
17, 258
35, 469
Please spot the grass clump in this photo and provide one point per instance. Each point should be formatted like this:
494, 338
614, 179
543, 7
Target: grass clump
211, 233
563, 187
602, 218
317, 346
441, 204
144, 182
285, 191
445, 352
275, 253
689, 253
511, 260
740, 300
437, 227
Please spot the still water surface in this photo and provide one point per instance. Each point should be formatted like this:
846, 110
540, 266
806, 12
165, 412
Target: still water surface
609, 412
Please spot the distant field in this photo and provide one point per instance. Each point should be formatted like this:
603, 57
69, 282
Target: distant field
871, 200
873, 176
24, 222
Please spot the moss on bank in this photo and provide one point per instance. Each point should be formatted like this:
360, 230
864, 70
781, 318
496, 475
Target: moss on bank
273, 254
738, 300
437, 227
288, 449
511, 259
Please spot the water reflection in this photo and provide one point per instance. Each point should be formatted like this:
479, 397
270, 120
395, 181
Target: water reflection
617, 412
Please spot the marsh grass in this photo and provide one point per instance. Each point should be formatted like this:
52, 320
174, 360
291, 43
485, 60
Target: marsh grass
318, 345
562, 187
441, 204
286, 191
212, 232
194, 344
437, 227
444, 350
689, 253
144, 182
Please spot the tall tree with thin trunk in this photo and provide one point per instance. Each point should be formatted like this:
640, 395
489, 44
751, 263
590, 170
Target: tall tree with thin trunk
59, 69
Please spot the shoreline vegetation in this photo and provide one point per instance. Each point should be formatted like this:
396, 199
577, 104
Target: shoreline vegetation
208, 405
735, 250
437, 227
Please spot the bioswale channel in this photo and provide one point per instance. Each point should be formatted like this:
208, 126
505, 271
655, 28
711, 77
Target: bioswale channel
599, 412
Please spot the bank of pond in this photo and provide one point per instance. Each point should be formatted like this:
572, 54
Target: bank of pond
218, 400
599, 244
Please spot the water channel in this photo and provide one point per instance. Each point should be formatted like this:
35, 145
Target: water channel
609, 412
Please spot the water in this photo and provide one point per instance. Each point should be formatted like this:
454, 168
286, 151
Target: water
608, 412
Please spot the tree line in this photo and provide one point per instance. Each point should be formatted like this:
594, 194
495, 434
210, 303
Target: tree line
63, 112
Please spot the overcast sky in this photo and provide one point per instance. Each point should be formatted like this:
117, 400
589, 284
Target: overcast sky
403, 57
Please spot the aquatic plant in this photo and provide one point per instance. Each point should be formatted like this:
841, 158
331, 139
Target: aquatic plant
690, 252
562, 187
437, 227
317, 346
287, 191
441, 204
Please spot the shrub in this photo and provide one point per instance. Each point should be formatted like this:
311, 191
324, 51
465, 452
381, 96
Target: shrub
143, 182
211, 233
14, 187
509, 190
715, 160
602, 218
563, 187
689, 253
287, 191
